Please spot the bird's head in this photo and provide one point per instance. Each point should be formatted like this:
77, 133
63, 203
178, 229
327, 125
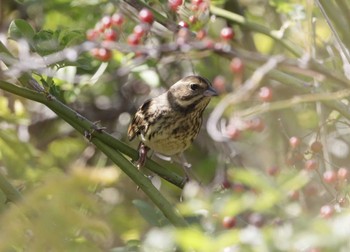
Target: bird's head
192, 91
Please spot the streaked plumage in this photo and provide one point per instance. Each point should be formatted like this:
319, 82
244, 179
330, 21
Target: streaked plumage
169, 123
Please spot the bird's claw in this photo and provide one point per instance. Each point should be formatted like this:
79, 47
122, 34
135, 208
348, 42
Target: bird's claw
143, 149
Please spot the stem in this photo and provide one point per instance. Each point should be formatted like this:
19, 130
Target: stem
138, 5
335, 20
144, 183
130, 170
255, 27
83, 126
284, 104
73, 116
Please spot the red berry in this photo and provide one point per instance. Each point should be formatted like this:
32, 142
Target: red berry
311, 164
194, 8
343, 173
102, 54
92, 34
208, 44
139, 31
146, 16
227, 33
265, 94
329, 176
294, 142
174, 4
273, 170
201, 34
183, 24
197, 2
117, 19
99, 27
236, 65
326, 211
133, 39
316, 147
110, 35
233, 133
106, 22
293, 195
229, 222
226, 184
192, 19
94, 52
203, 7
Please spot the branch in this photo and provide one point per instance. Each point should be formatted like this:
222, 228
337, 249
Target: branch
285, 104
110, 146
276, 35
72, 116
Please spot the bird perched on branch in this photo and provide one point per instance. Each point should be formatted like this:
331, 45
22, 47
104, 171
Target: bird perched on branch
169, 123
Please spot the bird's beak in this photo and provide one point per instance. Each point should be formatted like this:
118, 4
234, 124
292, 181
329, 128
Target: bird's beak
210, 92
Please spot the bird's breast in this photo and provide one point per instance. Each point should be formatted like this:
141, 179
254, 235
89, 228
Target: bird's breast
172, 132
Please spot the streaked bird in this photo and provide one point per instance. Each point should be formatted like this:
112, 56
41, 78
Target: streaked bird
170, 122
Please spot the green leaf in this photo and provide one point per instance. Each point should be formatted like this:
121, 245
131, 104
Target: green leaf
20, 28
150, 214
70, 38
46, 43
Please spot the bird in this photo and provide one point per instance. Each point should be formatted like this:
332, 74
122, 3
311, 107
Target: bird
168, 123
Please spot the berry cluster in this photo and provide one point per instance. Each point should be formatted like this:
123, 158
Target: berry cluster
110, 27
194, 20
326, 190
333, 182
108, 30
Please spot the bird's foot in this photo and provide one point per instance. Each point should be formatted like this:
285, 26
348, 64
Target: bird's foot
143, 149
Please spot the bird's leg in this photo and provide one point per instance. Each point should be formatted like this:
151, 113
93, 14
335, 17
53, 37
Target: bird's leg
143, 149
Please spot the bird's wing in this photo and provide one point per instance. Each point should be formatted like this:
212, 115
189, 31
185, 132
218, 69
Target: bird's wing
139, 124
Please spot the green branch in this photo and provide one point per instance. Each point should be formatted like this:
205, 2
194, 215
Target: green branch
255, 27
108, 145
62, 109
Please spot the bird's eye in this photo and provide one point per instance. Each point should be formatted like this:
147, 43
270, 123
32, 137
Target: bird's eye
194, 87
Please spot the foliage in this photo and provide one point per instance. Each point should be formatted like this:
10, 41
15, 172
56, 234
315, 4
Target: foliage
270, 164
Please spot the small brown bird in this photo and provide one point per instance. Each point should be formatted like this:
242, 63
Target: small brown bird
169, 123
